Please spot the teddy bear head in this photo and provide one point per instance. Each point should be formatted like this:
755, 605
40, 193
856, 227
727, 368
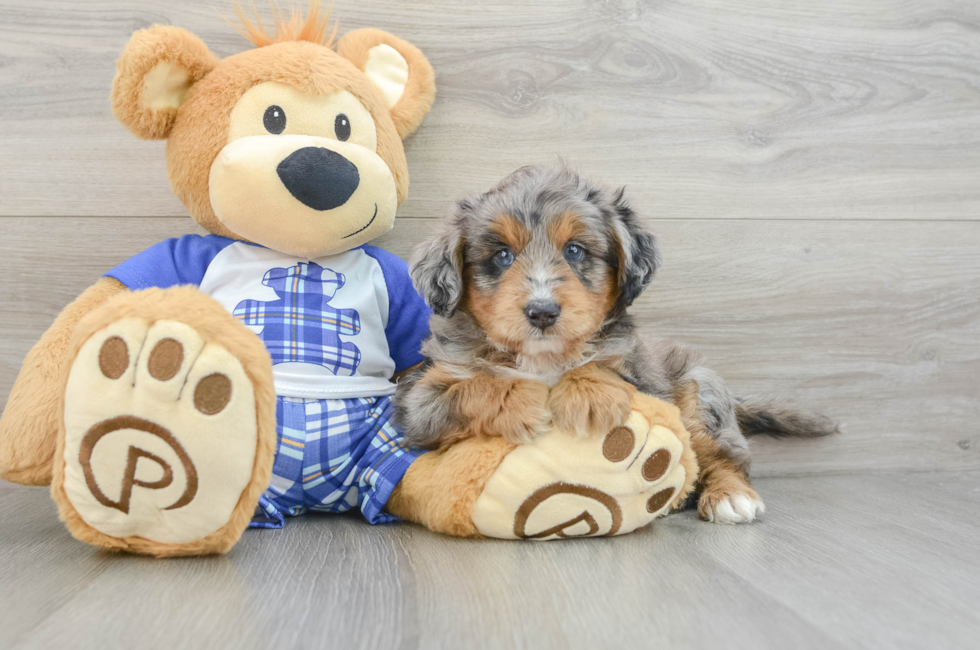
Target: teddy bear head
293, 145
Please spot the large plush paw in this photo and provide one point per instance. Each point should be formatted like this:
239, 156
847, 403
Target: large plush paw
562, 485
161, 440
590, 399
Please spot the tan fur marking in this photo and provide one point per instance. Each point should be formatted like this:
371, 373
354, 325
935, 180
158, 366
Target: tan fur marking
501, 313
719, 478
566, 227
511, 231
485, 406
590, 399
513, 409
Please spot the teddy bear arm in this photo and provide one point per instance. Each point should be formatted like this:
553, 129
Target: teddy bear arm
29, 424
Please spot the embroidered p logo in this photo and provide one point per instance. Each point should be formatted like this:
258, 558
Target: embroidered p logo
583, 525
134, 454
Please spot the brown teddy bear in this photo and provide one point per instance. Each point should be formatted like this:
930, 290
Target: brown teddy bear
214, 382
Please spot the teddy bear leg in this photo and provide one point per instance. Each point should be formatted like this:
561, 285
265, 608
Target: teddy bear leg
29, 425
440, 488
559, 485
167, 429
563, 485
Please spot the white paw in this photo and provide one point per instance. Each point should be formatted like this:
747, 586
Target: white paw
160, 432
735, 509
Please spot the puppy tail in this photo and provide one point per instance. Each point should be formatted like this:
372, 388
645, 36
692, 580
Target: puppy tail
781, 420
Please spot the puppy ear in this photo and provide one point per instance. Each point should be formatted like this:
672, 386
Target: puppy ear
639, 256
398, 69
153, 74
437, 270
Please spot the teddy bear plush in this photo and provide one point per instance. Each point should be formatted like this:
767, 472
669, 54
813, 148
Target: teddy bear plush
212, 383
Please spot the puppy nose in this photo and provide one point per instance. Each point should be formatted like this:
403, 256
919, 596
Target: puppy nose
542, 313
319, 177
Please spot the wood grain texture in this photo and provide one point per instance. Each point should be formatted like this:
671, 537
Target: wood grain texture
876, 324
895, 568
785, 109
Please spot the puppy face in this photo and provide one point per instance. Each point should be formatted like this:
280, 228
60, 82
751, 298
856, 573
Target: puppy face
540, 261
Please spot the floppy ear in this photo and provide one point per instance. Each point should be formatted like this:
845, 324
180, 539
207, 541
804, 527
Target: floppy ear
639, 256
437, 270
153, 74
398, 69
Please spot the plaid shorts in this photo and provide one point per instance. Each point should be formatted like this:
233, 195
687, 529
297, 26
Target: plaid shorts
333, 455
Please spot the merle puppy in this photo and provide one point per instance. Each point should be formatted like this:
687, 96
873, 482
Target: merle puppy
530, 283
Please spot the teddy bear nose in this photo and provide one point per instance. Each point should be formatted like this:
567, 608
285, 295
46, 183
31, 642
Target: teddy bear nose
319, 177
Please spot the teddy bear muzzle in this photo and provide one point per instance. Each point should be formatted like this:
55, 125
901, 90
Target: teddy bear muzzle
302, 195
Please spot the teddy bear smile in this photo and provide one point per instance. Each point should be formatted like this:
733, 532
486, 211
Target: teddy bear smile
365, 226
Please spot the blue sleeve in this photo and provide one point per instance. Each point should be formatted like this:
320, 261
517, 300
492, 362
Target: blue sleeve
170, 263
408, 315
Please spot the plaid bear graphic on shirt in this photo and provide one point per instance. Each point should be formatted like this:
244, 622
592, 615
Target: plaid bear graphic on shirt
302, 326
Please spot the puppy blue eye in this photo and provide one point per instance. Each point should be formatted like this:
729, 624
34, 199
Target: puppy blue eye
574, 253
503, 258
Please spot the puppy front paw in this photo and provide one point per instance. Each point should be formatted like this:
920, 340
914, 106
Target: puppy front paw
590, 399
519, 414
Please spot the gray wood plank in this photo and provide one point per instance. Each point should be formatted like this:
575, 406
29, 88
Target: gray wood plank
866, 561
707, 109
877, 324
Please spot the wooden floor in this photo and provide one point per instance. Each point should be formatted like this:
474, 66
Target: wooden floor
882, 561
813, 172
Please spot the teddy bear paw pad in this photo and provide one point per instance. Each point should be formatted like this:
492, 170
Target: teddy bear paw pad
160, 432
561, 486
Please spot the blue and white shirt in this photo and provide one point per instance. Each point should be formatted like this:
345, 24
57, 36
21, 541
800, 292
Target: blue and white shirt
336, 327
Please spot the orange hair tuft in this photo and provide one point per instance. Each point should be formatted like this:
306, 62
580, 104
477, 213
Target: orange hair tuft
312, 28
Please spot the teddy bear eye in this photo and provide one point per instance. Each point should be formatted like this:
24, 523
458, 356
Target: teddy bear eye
274, 119
341, 126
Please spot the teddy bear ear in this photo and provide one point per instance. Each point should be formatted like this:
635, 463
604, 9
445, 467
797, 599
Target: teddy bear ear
398, 69
153, 74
